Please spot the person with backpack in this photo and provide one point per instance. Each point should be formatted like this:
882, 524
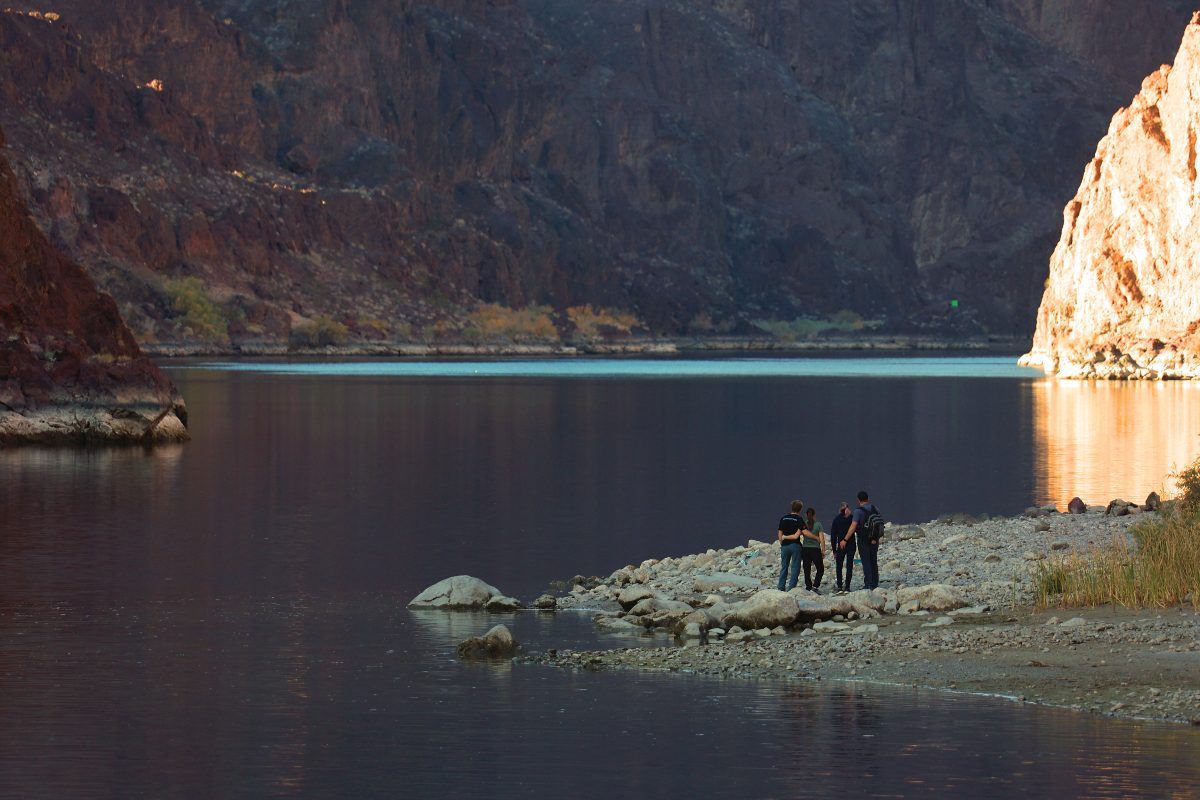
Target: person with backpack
791, 529
866, 526
812, 550
842, 554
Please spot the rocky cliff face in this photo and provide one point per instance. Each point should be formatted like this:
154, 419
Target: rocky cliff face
70, 369
1123, 298
701, 165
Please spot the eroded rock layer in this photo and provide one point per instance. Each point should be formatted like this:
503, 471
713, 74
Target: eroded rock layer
702, 166
1123, 298
70, 370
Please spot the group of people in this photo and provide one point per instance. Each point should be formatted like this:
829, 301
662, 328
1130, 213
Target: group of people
802, 545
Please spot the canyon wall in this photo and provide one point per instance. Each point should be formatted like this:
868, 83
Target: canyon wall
70, 369
1123, 298
231, 169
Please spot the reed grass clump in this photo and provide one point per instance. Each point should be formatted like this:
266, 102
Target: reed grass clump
1158, 565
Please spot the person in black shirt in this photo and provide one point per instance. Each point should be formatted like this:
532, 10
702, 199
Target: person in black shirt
791, 528
837, 534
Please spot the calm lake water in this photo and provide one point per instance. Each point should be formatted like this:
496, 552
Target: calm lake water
226, 618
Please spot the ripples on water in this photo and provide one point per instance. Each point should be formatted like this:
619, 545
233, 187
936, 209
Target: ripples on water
226, 618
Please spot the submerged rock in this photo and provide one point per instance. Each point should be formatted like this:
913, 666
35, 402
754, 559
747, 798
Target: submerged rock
457, 593
498, 642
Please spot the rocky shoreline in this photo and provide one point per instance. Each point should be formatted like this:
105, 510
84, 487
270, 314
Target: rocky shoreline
955, 611
635, 346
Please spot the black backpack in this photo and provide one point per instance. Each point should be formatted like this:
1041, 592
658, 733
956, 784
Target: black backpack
873, 526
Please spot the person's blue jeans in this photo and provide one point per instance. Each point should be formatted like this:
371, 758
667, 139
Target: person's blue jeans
868, 554
789, 568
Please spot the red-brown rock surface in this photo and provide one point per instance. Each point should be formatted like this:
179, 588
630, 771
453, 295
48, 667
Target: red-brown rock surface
1123, 299
70, 369
390, 163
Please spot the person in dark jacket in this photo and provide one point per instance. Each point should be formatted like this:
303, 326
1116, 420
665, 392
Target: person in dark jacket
837, 534
868, 548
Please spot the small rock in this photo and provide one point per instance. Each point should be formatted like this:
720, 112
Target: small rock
1117, 508
498, 642
1153, 502
1041, 526
958, 537
546, 602
692, 631
1060, 546
991, 558
1030, 556
617, 625
830, 626
1076, 506
865, 630
1073, 622
940, 622
910, 532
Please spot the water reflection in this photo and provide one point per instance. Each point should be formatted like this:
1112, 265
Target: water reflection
1104, 439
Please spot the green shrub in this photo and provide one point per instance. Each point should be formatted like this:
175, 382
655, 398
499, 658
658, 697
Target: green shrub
197, 313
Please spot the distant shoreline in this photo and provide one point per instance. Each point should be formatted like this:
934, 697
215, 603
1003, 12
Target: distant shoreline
647, 347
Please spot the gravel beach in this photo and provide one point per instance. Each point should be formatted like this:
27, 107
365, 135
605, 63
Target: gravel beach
955, 610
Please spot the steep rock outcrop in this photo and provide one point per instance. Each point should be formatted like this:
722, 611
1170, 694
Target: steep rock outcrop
70, 369
390, 163
1123, 298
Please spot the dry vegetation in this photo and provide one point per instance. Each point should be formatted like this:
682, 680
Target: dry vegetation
601, 323
499, 324
1159, 568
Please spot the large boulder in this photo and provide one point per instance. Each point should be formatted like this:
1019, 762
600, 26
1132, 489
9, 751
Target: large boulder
632, 595
815, 609
767, 608
458, 593
498, 642
653, 605
717, 581
932, 597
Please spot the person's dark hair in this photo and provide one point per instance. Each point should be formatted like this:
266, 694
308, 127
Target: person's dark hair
796, 506
862, 497
812, 512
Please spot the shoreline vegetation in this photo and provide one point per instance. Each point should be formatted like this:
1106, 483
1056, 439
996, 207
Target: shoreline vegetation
964, 606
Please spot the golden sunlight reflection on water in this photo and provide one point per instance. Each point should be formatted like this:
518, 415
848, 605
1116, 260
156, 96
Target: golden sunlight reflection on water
1106, 439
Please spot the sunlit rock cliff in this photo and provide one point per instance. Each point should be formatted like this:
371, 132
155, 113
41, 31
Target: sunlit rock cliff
70, 369
1123, 298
